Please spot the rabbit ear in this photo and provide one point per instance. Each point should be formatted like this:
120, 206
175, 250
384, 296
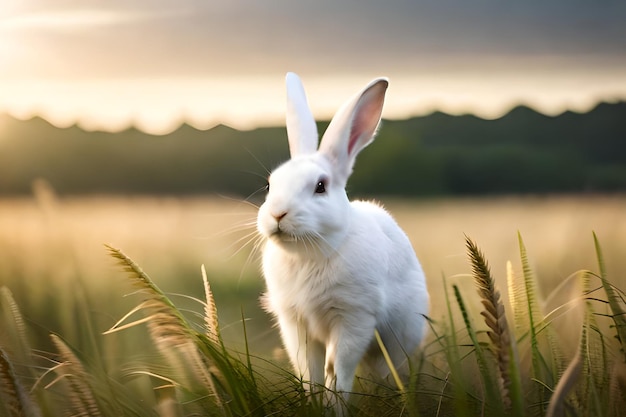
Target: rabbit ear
301, 127
354, 126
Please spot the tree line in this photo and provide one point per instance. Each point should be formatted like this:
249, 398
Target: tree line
439, 154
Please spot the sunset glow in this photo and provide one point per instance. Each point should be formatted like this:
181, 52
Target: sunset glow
109, 65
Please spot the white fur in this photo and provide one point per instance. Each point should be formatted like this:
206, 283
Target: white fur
337, 270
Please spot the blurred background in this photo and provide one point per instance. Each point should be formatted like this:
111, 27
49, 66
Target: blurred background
152, 125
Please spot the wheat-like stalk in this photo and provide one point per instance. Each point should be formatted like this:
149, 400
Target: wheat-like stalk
172, 335
13, 395
17, 320
166, 323
210, 311
139, 278
8, 386
494, 315
71, 369
11, 392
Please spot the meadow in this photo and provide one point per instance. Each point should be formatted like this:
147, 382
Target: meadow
59, 278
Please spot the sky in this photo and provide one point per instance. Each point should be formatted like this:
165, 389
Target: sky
108, 64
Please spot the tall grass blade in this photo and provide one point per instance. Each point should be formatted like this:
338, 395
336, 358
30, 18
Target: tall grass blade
453, 356
594, 356
491, 390
586, 358
532, 308
502, 344
390, 364
167, 404
616, 303
544, 373
617, 389
247, 347
556, 407
518, 301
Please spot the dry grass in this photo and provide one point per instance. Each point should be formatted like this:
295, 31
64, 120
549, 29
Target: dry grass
47, 240
557, 232
63, 280
502, 344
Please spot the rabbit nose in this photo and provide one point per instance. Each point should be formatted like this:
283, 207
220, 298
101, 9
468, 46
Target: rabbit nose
279, 216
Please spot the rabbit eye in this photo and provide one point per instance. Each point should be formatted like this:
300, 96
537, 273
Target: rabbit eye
320, 188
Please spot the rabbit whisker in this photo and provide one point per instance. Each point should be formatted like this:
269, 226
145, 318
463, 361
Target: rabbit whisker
258, 161
245, 201
238, 227
322, 244
306, 238
247, 239
257, 242
254, 193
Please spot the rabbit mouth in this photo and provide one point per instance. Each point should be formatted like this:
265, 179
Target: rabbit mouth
283, 236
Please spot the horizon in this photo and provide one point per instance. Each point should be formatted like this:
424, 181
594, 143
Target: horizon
281, 124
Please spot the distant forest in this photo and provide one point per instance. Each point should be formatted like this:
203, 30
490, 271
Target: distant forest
439, 154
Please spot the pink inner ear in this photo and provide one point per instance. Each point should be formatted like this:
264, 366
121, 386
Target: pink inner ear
354, 136
364, 123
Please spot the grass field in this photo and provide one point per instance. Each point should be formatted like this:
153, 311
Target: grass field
64, 281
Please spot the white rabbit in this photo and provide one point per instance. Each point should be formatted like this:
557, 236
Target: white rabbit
336, 270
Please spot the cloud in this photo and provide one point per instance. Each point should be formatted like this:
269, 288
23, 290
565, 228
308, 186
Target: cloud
70, 20
159, 38
445, 46
77, 19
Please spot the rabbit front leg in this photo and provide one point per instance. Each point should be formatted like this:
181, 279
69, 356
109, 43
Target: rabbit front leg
347, 347
306, 355
315, 352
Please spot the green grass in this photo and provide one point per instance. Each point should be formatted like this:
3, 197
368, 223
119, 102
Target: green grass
168, 356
